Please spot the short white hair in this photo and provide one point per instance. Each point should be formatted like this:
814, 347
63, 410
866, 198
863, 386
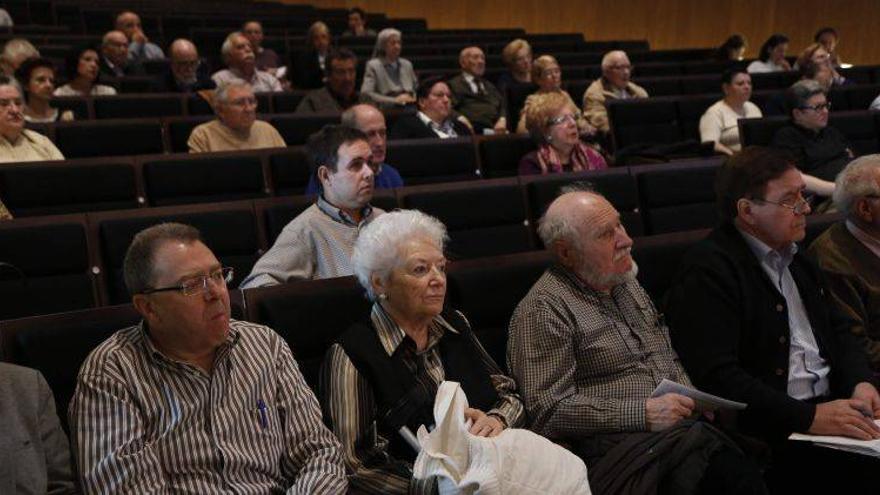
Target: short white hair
609, 57
855, 181
561, 225
377, 249
18, 48
382, 38
221, 95
226, 48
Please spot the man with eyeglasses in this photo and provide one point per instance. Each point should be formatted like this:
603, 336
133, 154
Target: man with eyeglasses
189, 400
186, 73
820, 151
752, 321
319, 242
236, 126
849, 252
614, 84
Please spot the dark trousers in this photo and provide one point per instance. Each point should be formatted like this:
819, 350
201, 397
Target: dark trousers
802, 468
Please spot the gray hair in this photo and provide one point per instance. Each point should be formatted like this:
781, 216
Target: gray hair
138, 268
221, 95
349, 117
226, 48
797, 95
382, 38
11, 81
377, 249
553, 228
18, 48
855, 181
313, 30
609, 57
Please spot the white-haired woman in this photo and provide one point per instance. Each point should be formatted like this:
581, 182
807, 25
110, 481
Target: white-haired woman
382, 374
389, 80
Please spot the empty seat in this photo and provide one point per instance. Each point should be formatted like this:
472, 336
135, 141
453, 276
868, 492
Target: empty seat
422, 161
180, 129
499, 156
204, 178
138, 106
289, 170
645, 121
109, 138
296, 129
287, 102
678, 196
760, 132
858, 127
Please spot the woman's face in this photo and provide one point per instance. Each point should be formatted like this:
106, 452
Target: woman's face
438, 104
551, 78
88, 65
393, 46
740, 87
416, 288
522, 64
777, 54
821, 56
563, 130
42, 83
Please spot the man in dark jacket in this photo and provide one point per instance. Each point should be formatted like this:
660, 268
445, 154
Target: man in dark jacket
475, 97
186, 72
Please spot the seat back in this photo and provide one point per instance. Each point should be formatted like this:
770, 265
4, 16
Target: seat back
138, 106
859, 129
760, 132
644, 121
658, 258
678, 197
179, 131
422, 161
296, 128
289, 170
109, 138
204, 178
499, 156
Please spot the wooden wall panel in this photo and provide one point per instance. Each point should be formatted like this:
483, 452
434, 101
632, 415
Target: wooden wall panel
665, 23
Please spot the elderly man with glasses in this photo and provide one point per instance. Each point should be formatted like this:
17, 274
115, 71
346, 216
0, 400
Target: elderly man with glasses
189, 400
186, 73
614, 84
753, 322
236, 126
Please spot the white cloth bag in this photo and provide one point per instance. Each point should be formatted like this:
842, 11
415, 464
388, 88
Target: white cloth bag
514, 462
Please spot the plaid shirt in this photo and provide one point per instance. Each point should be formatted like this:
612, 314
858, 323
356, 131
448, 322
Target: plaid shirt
586, 361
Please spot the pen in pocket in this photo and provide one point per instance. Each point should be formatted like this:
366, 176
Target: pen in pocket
264, 419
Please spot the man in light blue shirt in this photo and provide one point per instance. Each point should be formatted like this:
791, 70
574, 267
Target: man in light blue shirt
139, 48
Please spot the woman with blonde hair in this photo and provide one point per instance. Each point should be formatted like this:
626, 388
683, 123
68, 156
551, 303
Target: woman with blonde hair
517, 56
548, 76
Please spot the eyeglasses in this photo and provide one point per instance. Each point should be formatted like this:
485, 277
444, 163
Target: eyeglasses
621, 67
817, 108
243, 102
198, 284
562, 119
800, 207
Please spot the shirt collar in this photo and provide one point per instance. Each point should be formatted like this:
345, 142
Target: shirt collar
391, 335
232, 338
339, 215
869, 241
779, 260
468, 77
445, 127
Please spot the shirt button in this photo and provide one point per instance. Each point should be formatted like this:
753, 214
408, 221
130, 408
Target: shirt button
779, 371
782, 340
779, 308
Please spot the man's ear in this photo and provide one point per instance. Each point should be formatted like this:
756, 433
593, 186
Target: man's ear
744, 211
323, 173
564, 253
144, 306
379, 285
862, 209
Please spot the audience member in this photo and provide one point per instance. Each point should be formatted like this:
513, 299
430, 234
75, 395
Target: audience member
517, 57
369, 120
551, 119
309, 64
848, 252
733, 49
817, 54
264, 58
114, 57
189, 400
809, 70
548, 75
613, 85
339, 92
771, 58
752, 322
319, 242
139, 46
435, 118
236, 126
389, 80
5, 19
588, 348
720, 122
18, 144
820, 151
357, 24
241, 67
34, 450
186, 73
475, 97
15, 52
38, 77
82, 75
4, 212
828, 38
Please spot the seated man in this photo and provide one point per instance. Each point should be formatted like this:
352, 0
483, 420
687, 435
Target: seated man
587, 348
820, 151
613, 85
236, 126
34, 452
319, 242
189, 400
752, 322
265, 58
339, 91
357, 24
849, 252
435, 118
186, 72
475, 97
18, 144
369, 120
238, 55
139, 47
114, 57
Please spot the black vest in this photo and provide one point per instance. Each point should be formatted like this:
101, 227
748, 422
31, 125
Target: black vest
400, 400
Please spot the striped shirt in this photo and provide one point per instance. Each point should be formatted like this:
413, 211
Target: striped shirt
316, 244
587, 361
144, 423
351, 409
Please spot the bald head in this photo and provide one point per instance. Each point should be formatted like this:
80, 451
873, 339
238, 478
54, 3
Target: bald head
184, 60
473, 61
616, 68
370, 121
114, 46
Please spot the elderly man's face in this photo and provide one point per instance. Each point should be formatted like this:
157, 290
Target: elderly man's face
814, 114
341, 77
130, 24
253, 31
240, 110
185, 63
619, 71
321, 40
11, 118
772, 219
351, 185
116, 48
372, 123
416, 288
241, 56
473, 62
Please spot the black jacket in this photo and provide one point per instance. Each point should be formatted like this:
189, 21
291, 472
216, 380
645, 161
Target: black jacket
168, 84
410, 126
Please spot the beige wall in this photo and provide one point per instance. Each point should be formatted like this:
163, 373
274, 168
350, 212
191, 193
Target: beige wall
665, 23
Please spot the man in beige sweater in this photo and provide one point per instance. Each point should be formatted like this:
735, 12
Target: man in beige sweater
236, 126
614, 84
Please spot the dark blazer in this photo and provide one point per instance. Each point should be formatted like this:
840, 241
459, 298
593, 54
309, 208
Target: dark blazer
409, 126
168, 84
307, 73
729, 325
129, 69
482, 109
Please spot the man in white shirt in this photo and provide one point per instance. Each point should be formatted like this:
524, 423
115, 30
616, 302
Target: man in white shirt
238, 53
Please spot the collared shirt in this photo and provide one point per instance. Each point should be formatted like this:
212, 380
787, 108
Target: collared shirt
443, 131
316, 244
472, 82
261, 81
351, 408
869, 241
142, 422
807, 370
30, 146
587, 361
138, 52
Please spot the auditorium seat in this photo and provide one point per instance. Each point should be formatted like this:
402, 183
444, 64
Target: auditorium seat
204, 178
287, 102
289, 170
109, 137
677, 197
858, 127
660, 86
138, 106
484, 218
275, 213
690, 110
422, 161
77, 104
516, 98
701, 84
179, 130
500, 155
644, 121
137, 84
296, 128
760, 132
658, 258
860, 97
71, 186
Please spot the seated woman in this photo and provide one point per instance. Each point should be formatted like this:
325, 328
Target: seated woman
82, 74
38, 77
435, 118
817, 54
382, 375
733, 49
550, 120
548, 76
18, 144
389, 80
719, 123
517, 56
772, 56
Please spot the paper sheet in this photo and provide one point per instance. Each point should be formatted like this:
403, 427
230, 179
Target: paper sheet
864, 447
704, 401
